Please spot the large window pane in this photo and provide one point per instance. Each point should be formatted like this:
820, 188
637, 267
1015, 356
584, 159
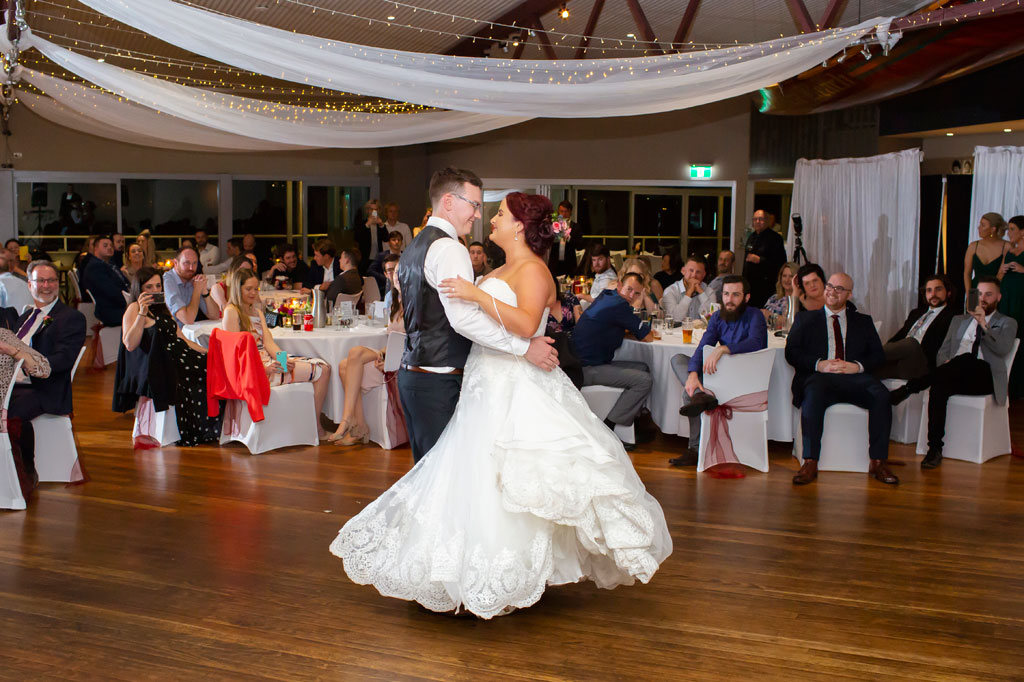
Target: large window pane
334, 211
603, 215
57, 217
657, 221
263, 208
169, 209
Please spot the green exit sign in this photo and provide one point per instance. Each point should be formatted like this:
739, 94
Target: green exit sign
700, 171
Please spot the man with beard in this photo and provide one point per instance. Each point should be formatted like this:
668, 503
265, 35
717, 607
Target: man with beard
911, 352
184, 293
970, 362
736, 328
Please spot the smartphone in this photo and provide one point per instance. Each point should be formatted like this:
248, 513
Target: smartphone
157, 297
374, 213
972, 300
282, 359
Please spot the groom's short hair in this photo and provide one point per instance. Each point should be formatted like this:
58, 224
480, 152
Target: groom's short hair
450, 181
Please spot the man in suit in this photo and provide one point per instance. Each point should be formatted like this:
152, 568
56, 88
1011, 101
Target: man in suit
348, 280
765, 255
562, 258
106, 283
834, 351
57, 332
326, 266
971, 361
911, 352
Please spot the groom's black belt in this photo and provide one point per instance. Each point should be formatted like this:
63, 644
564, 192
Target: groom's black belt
413, 368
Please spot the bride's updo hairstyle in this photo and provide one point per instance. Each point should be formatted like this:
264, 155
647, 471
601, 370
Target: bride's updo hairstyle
534, 212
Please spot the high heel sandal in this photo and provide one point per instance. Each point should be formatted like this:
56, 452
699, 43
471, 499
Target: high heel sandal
357, 433
340, 432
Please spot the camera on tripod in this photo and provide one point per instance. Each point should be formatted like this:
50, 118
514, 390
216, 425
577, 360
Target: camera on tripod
798, 231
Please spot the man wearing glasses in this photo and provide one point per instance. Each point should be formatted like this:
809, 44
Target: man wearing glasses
57, 332
834, 350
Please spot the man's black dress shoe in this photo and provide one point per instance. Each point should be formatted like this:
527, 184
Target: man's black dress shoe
880, 471
687, 459
898, 395
701, 402
932, 460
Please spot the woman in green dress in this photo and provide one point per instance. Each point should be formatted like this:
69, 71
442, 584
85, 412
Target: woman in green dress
984, 256
1011, 275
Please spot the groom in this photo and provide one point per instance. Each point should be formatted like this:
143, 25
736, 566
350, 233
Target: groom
441, 330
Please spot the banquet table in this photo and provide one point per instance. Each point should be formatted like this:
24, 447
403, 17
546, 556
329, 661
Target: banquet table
328, 344
666, 391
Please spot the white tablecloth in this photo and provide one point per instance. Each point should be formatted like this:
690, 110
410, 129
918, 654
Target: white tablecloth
666, 391
327, 344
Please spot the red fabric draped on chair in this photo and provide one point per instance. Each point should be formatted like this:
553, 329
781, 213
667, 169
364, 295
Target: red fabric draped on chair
721, 456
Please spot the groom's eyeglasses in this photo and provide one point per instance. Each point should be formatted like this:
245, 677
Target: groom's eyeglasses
475, 204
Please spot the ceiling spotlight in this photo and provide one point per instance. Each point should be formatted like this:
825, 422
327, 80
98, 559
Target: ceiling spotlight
631, 35
504, 47
867, 53
563, 12
1007, 130
842, 57
531, 33
515, 41
949, 134
391, 17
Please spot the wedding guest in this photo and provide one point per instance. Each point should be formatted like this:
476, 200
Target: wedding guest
106, 283
564, 316
984, 256
562, 257
765, 254
117, 259
478, 257
390, 268
292, 268
14, 261
599, 333
136, 261
393, 224
185, 294
726, 261
737, 328
209, 254
689, 297
911, 352
371, 234
233, 249
145, 240
243, 314
34, 364
810, 282
55, 331
360, 372
219, 292
671, 269
778, 304
423, 223
971, 361
81, 262
395, 244
14, 291
652, 293
605, 276
834, 353
1011, 276
495, 255
326, 266
348, 280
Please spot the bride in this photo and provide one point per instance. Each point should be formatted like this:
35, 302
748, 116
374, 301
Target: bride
525, 487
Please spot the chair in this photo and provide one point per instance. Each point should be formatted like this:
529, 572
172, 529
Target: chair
56, 452
379, 402
87, 308
844, 439
739, 375
161, 427
977, 429
354, 298
906, 417
371, 292
617, 258
601, 400
106, 343
10, 488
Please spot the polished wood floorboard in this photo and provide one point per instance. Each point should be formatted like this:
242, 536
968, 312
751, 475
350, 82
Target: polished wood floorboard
208, 563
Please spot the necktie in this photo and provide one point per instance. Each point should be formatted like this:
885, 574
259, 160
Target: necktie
977, 341
838, 333
23, 332
920, 323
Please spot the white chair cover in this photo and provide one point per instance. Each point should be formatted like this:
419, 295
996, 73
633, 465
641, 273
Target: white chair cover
844, 440
906, 417
376, 402
161, 427
289, 419
977, 429
56, 452
110, 341
87, 308
601, 400
10, 488
371, 292
739, 375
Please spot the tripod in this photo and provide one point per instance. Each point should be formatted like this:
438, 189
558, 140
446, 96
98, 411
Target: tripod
798, 251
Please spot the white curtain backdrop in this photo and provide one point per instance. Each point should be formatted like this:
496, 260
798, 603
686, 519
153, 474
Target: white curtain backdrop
861, 217
998, 183
505, 87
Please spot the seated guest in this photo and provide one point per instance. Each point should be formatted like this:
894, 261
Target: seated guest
376, 269
156, 361
971, 361
478, 257
136, 261
232, 250
56, 332
911, 352
671, 269
185, 294
605, 276
117, 259
326, 266
292, 268
145, 240
34, 364
778, 303
243, 314
736, 328
83, 258
348, 281
106, 283
564, 316
14, 291
390, 268
726, 261
599, 334
834, 353
357, 378
652, 293
810, 284
219, 291
14, 262
689, 297
208, 253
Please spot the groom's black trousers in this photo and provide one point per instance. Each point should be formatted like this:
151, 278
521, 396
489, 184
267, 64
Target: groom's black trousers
428, 401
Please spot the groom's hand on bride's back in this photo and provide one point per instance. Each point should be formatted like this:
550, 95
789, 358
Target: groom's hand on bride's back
542, 353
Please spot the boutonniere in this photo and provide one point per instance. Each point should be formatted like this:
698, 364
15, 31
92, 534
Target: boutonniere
46, 322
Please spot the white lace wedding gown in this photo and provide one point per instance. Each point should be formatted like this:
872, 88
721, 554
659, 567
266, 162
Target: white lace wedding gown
525, 488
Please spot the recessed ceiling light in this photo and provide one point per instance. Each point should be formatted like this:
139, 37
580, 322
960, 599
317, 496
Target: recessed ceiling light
949, 134
391, 17
631, 35
1007, 130
101, 60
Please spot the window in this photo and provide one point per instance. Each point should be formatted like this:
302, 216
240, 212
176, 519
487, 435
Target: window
169, 209
58, 216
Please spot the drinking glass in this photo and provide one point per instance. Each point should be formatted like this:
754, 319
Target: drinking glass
669, 325
687, 330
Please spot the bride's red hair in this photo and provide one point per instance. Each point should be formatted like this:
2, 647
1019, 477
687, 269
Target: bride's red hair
534, 212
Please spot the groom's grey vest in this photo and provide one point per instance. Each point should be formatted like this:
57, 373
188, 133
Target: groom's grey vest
430, 340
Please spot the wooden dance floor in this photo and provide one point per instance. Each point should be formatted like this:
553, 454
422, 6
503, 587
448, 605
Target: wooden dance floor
209, 563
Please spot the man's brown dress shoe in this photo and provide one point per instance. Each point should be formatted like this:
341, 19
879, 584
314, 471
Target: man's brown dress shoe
808, 472
880, 471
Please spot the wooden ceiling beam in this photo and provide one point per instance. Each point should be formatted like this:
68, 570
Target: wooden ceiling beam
686, 23
644, 26
801, 16
545, 44
595, 13
832, 13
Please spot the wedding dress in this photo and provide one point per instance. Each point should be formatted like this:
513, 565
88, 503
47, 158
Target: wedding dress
525, 488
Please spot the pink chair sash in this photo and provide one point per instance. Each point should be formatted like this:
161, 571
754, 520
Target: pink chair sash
97, 348
720, 449
395, 418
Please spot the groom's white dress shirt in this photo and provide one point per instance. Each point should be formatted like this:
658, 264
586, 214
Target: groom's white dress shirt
449, 258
